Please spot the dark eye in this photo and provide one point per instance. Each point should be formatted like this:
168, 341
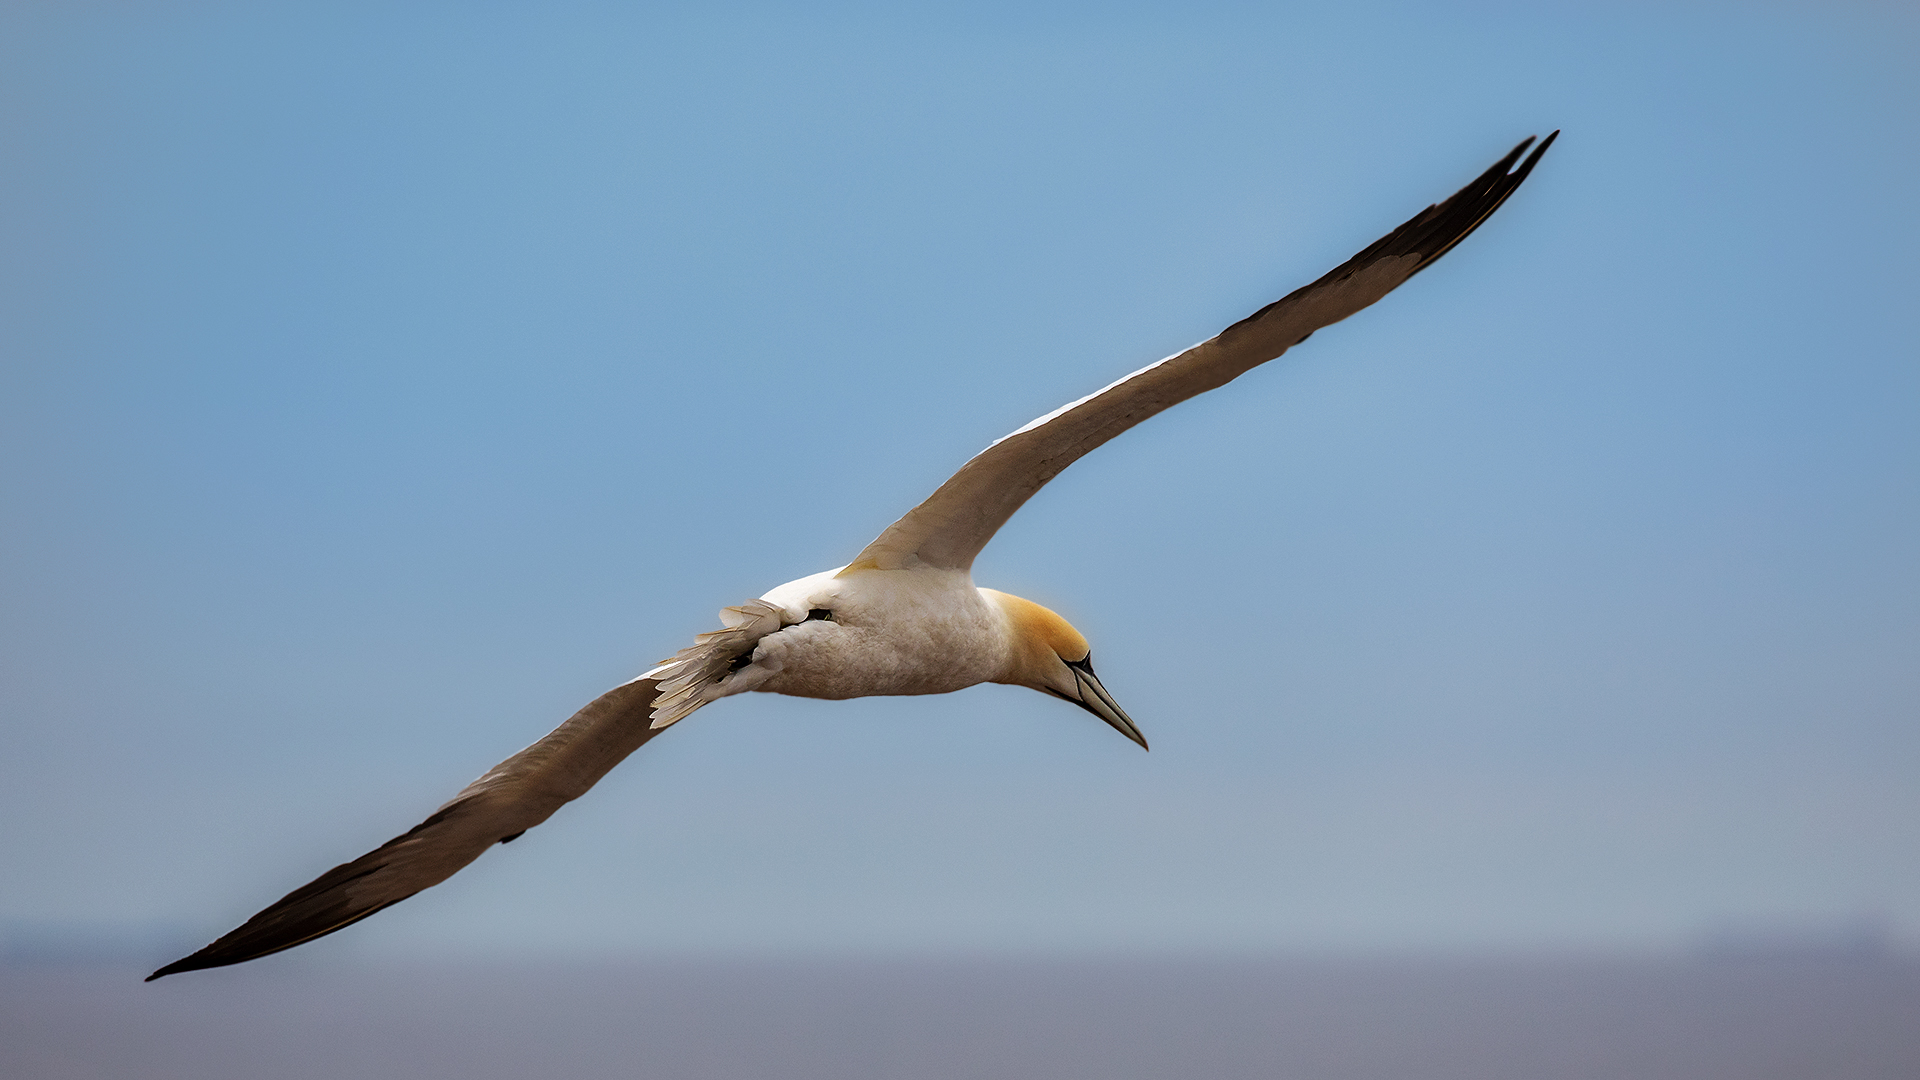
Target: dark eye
821, 614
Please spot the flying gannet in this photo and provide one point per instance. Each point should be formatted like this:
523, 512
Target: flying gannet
904, 617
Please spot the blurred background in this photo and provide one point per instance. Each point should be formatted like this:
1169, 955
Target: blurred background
380, 383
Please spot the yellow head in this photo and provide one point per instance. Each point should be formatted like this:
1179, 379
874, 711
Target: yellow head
1047, 654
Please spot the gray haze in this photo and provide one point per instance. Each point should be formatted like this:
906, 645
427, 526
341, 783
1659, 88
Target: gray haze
1107, 1020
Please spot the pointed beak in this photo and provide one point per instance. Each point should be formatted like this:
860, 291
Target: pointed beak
1095, 699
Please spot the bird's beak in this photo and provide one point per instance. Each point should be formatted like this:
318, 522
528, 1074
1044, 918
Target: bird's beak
1095, 699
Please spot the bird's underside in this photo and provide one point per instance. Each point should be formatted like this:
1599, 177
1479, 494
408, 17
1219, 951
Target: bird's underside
939, 538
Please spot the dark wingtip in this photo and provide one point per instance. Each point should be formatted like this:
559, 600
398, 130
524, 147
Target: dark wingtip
1434, 231
1472, 205
172, 969
195, 962
245, 944
1538, 151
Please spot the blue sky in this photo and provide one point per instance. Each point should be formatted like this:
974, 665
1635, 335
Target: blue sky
378, 386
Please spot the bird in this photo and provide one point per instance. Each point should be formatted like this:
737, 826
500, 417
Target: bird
904, 617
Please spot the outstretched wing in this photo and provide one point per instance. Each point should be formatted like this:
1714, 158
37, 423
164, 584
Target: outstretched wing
956, 521
511, 798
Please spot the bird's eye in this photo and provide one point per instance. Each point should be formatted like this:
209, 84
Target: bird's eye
821, 614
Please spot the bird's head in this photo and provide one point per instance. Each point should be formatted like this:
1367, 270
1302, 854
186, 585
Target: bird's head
1049, 655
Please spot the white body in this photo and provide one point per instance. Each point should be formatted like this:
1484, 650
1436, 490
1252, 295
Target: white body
919, 631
